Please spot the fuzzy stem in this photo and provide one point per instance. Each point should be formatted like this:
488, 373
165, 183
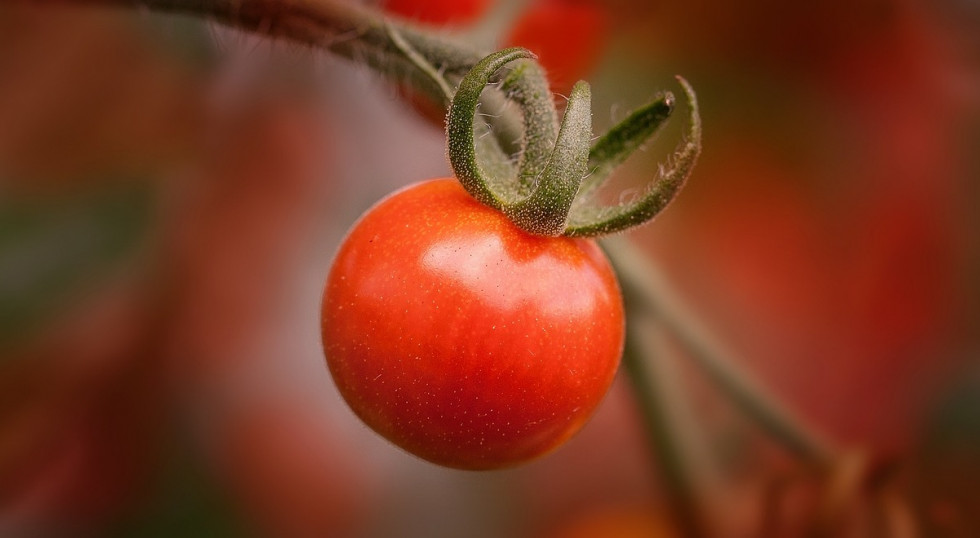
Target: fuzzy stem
348, 30
343, 28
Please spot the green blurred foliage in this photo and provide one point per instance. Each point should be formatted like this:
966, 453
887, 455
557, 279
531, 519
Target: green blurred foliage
54, 251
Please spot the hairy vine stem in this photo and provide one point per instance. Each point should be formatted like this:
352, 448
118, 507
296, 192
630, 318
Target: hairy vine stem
392, 47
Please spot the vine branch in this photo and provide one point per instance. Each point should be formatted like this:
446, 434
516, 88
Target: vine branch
343, 28
642, 281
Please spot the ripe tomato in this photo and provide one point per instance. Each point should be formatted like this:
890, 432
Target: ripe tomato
463, 339
438, 12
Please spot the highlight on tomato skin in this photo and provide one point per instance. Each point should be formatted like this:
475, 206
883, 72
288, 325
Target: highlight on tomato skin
463, 339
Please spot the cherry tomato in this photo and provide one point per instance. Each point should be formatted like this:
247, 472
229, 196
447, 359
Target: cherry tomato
463, 339
437, 12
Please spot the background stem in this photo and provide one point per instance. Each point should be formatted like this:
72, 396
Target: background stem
663, 406
350, 31
642, 281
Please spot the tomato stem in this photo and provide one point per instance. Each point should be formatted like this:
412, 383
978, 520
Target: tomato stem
590, 220
488, 184
645, 287
545, 209
421, 62
552, 193
552, 161
666, 421
528, 87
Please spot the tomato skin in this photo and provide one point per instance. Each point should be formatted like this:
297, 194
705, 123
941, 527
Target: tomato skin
463, 339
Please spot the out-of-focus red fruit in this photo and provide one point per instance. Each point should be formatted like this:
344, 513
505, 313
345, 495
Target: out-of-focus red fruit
607, 463
239, 231
567, 35
245, 355
79, 413
432, 112
751, 246
851, 302
823, 245
615, 522
291, 472
93, 468
438, 12
899, 286
84, 96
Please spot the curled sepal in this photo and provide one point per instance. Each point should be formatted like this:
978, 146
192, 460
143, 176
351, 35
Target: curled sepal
545, 210
614, 147
586, 220
528, 87
538, 195
477, 179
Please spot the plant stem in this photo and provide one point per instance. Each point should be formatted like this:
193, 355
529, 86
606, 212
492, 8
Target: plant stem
344, 28
642, 281
667, 425
357, 33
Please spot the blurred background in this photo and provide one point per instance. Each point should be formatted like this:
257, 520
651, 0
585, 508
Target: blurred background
172, 191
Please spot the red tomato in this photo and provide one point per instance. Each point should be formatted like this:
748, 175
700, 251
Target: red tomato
463, 339
567, 35
438, 12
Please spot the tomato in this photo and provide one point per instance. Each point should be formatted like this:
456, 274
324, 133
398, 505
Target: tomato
567, 35
436, 12
463, 339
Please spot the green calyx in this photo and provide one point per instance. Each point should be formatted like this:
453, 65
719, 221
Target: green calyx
548, 187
